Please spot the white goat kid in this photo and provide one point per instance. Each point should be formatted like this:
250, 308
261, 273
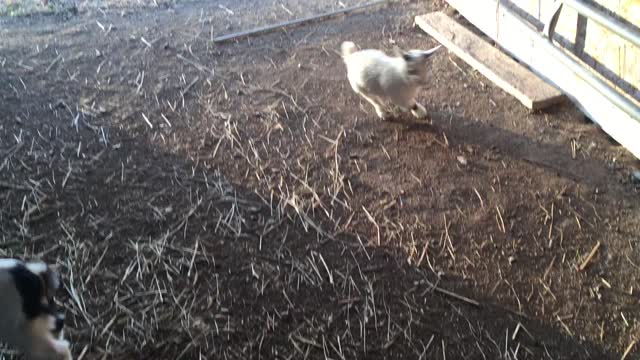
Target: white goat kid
378, 77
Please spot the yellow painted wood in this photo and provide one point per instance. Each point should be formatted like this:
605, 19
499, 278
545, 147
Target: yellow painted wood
523, 42
615, 55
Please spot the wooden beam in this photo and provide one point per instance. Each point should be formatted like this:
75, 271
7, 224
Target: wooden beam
498, 67
517, 37
268, 28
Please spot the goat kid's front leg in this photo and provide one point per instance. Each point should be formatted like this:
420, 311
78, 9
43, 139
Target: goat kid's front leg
50, 348
41, 343
377, 104
418, 110
62, 349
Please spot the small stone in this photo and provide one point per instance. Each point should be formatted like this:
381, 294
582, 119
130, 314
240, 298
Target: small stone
462, 160
511, 259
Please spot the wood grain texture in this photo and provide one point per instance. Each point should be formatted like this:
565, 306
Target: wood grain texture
498, 67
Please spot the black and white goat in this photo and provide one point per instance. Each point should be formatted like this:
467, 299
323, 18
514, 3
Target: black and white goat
28, 317
378, 77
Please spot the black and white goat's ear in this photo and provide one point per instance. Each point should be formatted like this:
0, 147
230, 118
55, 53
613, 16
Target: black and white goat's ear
37, 267
48, 275
52, 279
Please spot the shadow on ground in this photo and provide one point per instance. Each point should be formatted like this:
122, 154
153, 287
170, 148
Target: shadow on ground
162, 257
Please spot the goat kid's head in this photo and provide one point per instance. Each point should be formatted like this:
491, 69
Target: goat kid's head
416, 61
45, 281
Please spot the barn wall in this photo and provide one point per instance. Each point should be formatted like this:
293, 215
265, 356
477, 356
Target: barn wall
613, 57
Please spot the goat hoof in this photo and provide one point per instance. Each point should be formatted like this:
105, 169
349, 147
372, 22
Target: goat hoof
62, 350
383, 115
419, 112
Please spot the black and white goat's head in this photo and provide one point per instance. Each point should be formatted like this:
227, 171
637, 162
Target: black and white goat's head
29, 319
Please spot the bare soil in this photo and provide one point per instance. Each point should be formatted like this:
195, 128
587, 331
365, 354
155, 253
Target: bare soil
239, 201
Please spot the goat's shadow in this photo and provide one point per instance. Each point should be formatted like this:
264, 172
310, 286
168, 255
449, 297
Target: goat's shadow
551, 156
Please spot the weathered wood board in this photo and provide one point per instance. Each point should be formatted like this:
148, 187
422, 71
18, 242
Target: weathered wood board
498, 67
524, 42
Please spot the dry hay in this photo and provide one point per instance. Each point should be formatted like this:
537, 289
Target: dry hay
128, 179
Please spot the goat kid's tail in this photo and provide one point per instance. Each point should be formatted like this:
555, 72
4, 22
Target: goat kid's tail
348, 48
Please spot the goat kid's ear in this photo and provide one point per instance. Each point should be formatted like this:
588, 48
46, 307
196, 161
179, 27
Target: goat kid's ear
427, 53
397, 52
53, 279
49, 275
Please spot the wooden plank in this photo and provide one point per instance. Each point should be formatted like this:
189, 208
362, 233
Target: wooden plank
524, 43
498, 67
268, 28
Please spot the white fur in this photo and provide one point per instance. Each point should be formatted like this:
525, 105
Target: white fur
8, 263
378, 77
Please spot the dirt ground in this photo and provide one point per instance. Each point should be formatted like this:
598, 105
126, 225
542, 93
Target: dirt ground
238, 201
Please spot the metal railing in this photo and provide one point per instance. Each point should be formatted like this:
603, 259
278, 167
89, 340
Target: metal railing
620, 29
623, 30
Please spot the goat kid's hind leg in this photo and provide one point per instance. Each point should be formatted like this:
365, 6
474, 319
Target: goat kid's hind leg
377, 104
